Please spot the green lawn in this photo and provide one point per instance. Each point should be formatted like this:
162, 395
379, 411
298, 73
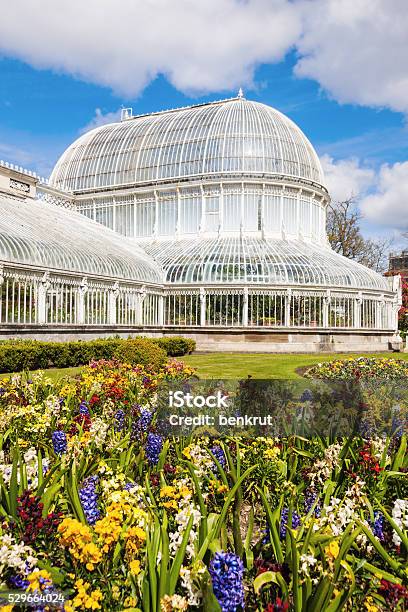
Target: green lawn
263, 365
241, 365
54, 373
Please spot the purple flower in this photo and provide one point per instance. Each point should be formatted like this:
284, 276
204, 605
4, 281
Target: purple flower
83, 408
153, 448
307, 396
142, 424
284, 522
310, 498
378, 525
59, 442
145, 419
18, 582
89, 500
227, 570
119, 420
219, 455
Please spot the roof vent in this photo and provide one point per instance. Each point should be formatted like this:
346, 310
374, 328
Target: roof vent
126, 113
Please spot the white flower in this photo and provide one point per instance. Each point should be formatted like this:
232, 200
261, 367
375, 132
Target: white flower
400, 517
16, 556
190, 580
307, 562
98, 431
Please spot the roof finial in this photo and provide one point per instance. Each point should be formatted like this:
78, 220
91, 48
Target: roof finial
240, 93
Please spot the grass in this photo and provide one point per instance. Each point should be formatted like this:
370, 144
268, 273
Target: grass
53, 373
241, 365
264, 365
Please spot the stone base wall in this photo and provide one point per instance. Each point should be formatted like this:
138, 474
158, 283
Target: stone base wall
224, 340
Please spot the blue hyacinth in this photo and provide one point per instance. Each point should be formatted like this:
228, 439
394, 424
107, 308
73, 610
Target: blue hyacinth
153, 448
310, 498
59, 442
119, 420
83, 408
89, 500
145, 419
220, 456
227, 570
378, 525
307, 396
141, 424
284, 522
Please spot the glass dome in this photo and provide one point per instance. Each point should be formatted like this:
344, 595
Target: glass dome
54, 238
229, 138
250, 260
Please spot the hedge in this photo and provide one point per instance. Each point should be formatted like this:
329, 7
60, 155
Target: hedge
176, 346
19, 355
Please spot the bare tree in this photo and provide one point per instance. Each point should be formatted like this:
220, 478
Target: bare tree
345, 237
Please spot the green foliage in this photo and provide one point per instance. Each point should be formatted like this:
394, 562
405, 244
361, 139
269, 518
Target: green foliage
176, 346
140, 351
27, 355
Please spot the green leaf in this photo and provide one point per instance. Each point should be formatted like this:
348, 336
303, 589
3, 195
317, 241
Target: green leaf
297, 591
272, 519
164, 580
262, 579
48, 497
210, 602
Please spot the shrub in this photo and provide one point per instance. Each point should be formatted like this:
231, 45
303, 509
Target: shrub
17, 355
141, 351
176, 346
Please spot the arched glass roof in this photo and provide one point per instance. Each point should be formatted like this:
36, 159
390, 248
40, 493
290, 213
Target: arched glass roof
253, 260
229, 137
55, 238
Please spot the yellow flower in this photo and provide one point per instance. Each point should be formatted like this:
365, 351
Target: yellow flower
115, 591
83, 599
78, 538
370, 606
134, 567
170, 505
184, 491
272, 453
168, 491
186, 452
333, 549
39, 580
129, 602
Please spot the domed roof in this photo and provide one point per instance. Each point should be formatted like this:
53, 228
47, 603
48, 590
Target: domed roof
229, 137
55, 238
256, 261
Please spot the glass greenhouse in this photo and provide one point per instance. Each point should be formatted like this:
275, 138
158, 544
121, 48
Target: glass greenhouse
217, 211
58, 267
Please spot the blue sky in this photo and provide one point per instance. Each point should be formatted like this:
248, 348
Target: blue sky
336, 67
42, 112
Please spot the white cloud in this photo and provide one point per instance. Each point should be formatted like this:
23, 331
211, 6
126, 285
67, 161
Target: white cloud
388, 204
346, 178
101, 119
198, 46
381, 194
357, 50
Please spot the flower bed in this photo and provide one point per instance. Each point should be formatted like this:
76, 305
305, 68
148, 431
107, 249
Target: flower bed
97, 504
360, 368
